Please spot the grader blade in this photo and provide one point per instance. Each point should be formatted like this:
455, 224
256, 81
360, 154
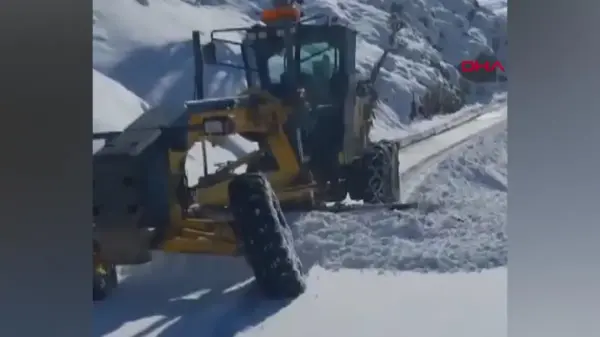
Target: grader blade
399, 206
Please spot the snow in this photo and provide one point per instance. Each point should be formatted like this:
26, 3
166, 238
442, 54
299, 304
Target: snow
118, 106
413, 157
428, 272
402, 303
471, 110
458, 236
409, 304
497, 6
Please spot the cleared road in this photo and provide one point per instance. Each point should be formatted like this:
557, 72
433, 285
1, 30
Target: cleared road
413, 155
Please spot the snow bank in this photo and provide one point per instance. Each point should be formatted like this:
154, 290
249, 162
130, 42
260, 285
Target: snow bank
457, 235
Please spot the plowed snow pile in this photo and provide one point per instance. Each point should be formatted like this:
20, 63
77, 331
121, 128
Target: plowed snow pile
457, 236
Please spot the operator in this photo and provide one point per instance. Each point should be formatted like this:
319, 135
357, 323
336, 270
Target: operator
321, 76
325, 67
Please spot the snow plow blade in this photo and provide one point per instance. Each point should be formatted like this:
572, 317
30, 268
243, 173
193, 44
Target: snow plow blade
361, 207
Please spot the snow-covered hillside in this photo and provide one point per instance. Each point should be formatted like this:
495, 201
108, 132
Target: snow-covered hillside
144, 45
497, 6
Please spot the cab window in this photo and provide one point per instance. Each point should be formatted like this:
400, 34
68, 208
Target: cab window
316, 59
319, 59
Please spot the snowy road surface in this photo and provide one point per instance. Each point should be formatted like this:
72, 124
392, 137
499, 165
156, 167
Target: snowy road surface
409, 304
412, 155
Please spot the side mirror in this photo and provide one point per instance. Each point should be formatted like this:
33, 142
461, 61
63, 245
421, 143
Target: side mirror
209, 53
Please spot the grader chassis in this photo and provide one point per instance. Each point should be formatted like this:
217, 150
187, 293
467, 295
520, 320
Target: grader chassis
310, 117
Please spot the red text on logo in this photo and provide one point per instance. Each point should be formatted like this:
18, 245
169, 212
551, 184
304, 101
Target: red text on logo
470, 66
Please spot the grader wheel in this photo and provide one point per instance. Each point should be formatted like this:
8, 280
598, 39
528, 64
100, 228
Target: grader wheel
104, 276
266, 237
375, 177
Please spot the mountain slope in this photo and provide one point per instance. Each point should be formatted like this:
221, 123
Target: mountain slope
499, 7
144, 45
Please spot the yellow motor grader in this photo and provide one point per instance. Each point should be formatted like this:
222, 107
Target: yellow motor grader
308, 113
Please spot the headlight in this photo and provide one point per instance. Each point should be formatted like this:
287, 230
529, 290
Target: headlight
214, 126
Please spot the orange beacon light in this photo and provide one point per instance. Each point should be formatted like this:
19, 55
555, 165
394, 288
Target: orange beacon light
289, 12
